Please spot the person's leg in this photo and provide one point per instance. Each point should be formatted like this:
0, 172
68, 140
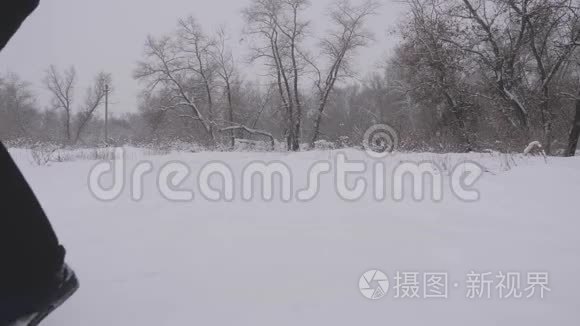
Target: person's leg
29, 249
34, 280
30, 253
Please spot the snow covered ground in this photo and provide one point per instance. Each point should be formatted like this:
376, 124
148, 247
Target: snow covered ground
157, 262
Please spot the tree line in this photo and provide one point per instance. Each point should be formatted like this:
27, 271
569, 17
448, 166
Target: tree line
465, 75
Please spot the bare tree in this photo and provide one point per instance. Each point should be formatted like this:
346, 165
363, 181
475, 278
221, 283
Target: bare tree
434, 70
94, 99
165, 67
278, 25
349, 34
554, 33
62, 86
293, 28
183, 72
226, 70
512, 54
196, 47
489, 33
18, 112
575, 132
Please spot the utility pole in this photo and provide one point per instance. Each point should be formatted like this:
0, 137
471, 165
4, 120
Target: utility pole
107, 114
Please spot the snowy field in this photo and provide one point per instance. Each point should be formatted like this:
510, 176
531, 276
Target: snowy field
255, 263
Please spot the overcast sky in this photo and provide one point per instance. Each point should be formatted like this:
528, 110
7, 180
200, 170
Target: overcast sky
108, 35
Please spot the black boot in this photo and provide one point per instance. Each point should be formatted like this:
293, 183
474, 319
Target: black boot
30, 308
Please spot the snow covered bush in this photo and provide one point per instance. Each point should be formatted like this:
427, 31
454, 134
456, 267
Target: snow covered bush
246, 145
324, 145
43, 154
535, 148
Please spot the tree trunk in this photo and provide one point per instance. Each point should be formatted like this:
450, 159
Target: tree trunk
575, 133
231, 114
547, 121
323, 100
210, 109
459, 127
296, 142
298, 114
68, 131
316, 130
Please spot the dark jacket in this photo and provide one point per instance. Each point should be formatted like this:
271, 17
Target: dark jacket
12, 14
